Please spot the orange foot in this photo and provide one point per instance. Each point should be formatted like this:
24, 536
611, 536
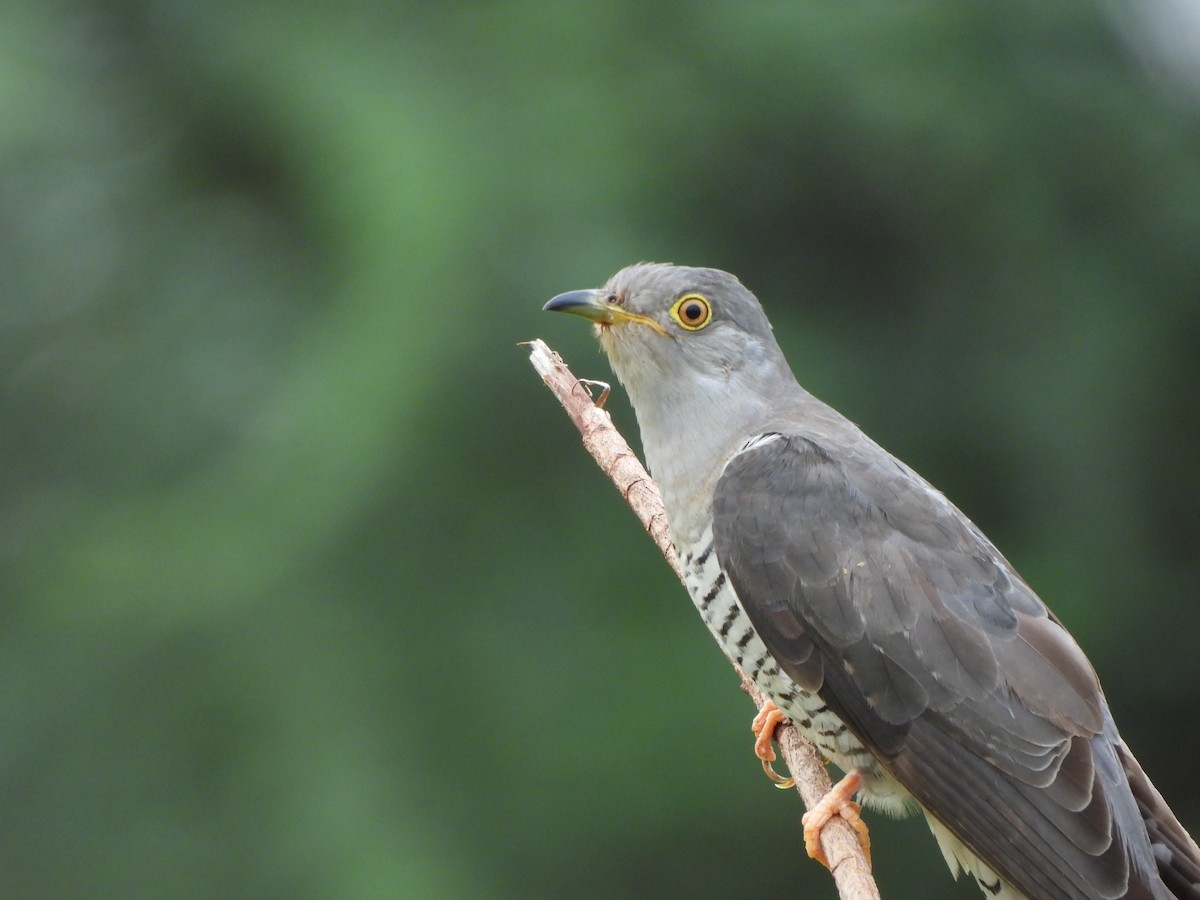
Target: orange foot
837, 802
763, 726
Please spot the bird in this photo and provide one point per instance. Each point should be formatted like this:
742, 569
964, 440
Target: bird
874, 614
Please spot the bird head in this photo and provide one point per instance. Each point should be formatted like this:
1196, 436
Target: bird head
675, 330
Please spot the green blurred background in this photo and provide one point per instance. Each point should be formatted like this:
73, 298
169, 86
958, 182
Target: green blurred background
310, 590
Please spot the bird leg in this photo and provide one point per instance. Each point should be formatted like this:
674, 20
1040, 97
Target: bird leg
768, 719
838, 802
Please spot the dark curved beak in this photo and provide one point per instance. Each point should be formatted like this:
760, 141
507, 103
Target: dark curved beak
583, 303
591, 305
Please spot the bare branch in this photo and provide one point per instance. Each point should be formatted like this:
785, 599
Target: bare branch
850, 870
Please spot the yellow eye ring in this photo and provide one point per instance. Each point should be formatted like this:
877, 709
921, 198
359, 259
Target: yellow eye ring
692, 311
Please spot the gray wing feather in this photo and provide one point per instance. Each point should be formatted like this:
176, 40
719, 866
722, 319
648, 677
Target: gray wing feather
872, 590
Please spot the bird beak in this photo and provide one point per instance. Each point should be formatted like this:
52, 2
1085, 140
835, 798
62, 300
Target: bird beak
590, 305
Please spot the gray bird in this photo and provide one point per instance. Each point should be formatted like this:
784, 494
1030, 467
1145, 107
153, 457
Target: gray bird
873, 613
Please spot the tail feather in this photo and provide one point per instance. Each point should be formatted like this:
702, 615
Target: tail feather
1175, 853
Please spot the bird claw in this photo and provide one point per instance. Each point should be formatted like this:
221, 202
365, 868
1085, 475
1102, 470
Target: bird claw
605, 390
837, 802
768, 719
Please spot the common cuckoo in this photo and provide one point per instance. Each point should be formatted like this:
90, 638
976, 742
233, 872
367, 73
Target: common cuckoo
874, 614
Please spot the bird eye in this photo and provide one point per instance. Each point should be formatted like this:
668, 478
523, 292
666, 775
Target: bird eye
692, 312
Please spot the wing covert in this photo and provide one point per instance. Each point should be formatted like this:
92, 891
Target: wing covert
872, 590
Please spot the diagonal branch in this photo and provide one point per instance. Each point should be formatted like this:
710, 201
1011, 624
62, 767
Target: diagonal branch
850, 870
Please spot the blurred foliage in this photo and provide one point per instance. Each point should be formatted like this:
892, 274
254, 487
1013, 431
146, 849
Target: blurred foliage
310, 590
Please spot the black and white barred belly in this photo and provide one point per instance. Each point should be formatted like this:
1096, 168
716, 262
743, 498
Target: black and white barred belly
723, 614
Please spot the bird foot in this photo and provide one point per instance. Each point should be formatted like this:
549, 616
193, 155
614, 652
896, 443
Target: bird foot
837, 802
605, 390
768, 719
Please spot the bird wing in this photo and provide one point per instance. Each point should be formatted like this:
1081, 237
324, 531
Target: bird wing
875, 592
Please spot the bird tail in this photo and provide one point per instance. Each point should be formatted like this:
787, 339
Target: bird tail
1175, 853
